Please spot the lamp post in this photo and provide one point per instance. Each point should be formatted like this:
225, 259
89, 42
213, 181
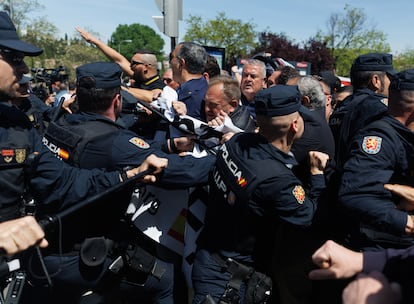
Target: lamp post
122, 41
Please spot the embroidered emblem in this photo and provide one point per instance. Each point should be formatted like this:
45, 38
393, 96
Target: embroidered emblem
299, 193
20, 155
140, 143
371, 144
7, 155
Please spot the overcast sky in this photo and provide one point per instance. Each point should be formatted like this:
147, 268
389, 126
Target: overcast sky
298, 19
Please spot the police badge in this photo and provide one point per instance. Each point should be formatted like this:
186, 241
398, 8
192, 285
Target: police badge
20, 155
7, 155
371, 144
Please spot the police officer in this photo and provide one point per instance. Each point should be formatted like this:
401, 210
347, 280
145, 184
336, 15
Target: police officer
370, 77
381, 153
102, 143
252, 186
53, 182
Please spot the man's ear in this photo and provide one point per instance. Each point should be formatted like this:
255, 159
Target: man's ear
181, 62
294, 127
306, 101
234, 103
117, 101
375, 82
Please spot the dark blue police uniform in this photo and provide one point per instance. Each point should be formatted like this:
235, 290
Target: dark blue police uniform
363, 106
53, 184
252, 187
354, 113
381, 153
391, 150
105, 144
122, 148
116, 150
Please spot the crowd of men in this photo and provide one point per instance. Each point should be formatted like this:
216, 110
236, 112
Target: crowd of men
266, 186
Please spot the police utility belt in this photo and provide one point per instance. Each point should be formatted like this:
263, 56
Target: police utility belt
258, 285
130, 262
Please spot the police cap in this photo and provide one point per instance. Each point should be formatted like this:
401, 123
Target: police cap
99, 75
279, 100
374, 62
10, 40
403, 80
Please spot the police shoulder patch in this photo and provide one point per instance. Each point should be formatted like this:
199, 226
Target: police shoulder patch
299, 193
139, 142
371, 144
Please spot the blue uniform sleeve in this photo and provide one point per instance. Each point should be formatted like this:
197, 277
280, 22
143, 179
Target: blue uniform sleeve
288, 199
58, 185
187, 171
373, 159
182, 171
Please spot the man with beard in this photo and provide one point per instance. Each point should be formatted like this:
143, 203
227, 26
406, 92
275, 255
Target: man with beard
142, 69
102, 143
146, 85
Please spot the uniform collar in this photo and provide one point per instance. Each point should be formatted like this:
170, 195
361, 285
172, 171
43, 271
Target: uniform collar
151, 80
287, 158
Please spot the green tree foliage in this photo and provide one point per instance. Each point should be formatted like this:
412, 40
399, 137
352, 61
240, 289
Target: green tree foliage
404, 60
348, 35
142, 36
236, 36
19, 11
42, 34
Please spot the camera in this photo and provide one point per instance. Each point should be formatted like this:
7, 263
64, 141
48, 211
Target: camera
43, 79
50, 75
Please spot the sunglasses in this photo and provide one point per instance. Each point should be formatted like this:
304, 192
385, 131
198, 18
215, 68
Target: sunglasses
13, 57
167, 80
134, 63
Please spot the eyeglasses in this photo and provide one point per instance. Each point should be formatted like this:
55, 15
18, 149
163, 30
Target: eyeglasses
134, 63
167, 80
13, 57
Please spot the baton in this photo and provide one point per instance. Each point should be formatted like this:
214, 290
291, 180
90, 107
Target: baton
49, 220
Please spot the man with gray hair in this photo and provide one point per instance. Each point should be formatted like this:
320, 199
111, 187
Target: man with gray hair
312, 93
253, 80
317, 135
188, 61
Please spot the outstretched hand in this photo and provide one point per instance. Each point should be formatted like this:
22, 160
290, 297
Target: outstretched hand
86, 35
